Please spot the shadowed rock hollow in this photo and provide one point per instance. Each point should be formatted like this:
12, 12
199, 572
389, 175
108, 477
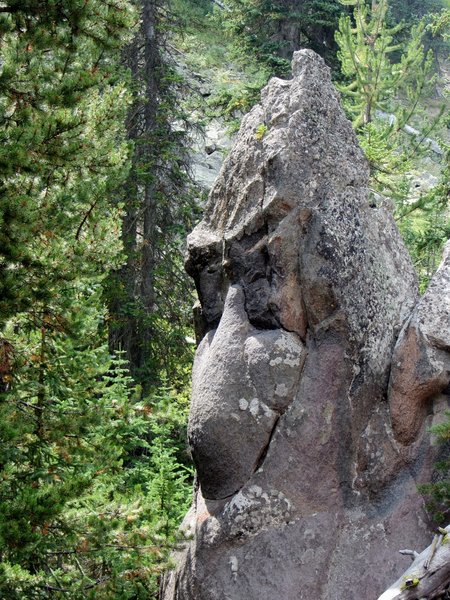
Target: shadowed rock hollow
304, 284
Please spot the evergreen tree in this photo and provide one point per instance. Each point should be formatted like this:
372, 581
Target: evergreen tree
273, 29
410, 11
87, 503
387, 83
441, 24
88, 507
57, 98
151, 295
375, 81
76, 517
383, 96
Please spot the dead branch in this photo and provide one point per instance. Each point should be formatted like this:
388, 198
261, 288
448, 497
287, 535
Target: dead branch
428, 578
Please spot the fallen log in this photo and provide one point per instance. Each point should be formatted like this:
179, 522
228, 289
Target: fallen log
428, 578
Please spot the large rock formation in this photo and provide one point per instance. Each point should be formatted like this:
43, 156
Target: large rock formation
304, 283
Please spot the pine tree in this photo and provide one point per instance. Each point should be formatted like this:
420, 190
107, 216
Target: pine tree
410, 11
84, 508
68, 419
375, 81
151, 296
88, 506
56, 98
382, 95
387, 82
272, 30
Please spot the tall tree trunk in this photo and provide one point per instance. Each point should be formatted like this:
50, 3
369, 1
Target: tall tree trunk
157, 200
151, 73
134, 302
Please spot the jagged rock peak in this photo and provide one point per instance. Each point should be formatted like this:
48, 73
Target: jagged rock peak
304, 285
294, 124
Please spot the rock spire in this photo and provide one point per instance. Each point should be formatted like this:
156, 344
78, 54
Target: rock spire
305, 492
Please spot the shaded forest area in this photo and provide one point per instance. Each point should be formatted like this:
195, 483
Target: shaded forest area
101, 104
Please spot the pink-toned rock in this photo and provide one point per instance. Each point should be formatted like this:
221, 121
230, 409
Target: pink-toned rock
421, 361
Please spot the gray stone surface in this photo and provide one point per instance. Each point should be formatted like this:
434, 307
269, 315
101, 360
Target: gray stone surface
209, 149
304, 284
243, 379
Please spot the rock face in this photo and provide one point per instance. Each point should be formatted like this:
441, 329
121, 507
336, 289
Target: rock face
421, 361
208, 153
304, 284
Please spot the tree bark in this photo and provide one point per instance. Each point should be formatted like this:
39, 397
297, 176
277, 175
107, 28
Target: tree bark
151, 74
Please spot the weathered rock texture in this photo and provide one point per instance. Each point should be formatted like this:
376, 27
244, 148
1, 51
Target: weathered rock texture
421, 362
304, 284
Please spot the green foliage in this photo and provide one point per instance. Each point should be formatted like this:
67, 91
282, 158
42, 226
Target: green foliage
229, 82
61, 147
94, 473
425, 227
375, 81
271, 30
199, 36
440, 24
387, 82
93, 478
437, 493
231, 102
260, 131
150, 297
409, 583
411, 11
92, 483
438, 31
437, 230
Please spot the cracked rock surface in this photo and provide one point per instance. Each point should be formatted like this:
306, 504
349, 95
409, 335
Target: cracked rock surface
304, 284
